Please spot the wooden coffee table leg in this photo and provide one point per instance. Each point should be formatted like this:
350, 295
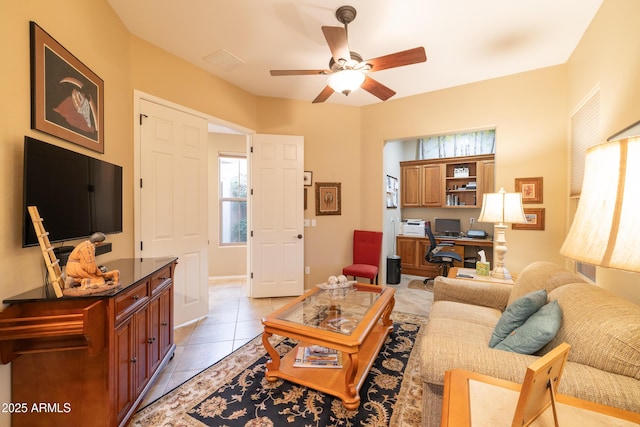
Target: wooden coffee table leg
353, 400
274, 364
386, 316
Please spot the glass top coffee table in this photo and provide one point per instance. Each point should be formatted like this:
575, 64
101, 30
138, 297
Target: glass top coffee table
354, 321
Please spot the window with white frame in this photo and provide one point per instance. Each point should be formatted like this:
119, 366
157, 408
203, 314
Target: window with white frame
233, 199
585, 133
470, 143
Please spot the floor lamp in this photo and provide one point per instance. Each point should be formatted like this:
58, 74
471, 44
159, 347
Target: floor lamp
501, 208
606, 228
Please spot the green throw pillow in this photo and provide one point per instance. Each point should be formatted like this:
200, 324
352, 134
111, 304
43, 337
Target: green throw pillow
516, 314
537, 331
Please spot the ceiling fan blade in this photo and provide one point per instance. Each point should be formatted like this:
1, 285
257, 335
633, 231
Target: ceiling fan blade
398, 59
324, 95
298, 72
377, 89
337, 41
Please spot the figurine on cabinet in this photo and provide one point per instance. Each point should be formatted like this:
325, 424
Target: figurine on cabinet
83, 274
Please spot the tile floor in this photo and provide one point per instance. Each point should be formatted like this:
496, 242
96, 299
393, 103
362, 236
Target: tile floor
234, 319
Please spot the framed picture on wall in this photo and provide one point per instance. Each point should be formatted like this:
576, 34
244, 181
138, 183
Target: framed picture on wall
392, 192
67, 98
308, 178
328, 196
535, 220
531, 189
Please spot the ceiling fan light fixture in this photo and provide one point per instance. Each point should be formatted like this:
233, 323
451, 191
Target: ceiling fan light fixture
347, 71
346, 81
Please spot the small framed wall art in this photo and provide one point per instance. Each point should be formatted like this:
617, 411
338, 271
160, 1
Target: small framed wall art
531, 189
328, 198
392, 192
535, 220
67, 98
308, 178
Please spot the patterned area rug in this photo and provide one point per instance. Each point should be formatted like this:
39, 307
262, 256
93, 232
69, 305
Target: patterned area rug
234, 391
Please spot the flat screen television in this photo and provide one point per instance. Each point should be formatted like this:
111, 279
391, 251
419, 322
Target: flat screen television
76, 195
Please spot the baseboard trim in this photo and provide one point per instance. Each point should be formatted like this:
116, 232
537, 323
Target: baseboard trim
228, 278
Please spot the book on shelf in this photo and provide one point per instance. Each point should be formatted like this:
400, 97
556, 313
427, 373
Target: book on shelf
317, 357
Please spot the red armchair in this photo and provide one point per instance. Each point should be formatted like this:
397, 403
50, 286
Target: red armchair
367, 247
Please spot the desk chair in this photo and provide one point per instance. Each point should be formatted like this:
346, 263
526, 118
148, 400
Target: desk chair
436, 255
367, 246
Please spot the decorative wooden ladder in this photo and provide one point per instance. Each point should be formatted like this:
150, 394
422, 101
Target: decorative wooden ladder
50, 259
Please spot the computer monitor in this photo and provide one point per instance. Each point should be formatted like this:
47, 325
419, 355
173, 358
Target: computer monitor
447, 227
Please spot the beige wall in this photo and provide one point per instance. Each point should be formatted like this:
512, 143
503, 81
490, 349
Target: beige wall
529, 112
608, 56
343, 144
161, 74
21, 269
92, 32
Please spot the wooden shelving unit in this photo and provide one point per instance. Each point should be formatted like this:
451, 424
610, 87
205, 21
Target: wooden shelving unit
461, 180
443, 182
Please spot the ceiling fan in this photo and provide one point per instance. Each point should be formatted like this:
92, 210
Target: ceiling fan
347, 71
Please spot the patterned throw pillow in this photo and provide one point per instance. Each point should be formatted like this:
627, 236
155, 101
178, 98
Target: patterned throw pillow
516, 314
537, 331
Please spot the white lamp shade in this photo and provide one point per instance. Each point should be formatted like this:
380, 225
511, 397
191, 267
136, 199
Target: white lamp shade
606, 227
346, 81
502, 208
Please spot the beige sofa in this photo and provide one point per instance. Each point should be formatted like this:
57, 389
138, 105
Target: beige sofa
602, 329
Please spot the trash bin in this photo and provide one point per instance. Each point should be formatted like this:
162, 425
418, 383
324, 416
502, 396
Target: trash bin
394, 270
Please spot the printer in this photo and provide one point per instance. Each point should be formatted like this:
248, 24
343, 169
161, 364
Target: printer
414, 227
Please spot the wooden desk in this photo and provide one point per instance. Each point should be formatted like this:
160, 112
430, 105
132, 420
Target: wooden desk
472, 398
412, 250
485, 243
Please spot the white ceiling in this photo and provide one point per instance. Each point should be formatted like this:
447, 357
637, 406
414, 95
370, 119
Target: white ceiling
465, 40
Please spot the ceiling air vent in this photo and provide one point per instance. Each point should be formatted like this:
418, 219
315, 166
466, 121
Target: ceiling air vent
224, 60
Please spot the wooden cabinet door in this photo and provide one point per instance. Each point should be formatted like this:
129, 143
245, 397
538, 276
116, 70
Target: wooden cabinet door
431, 188
429, 269
124, 368
410, 186
406, 247
160, 331
155, 355
423, 248
166, 320
487, 180
141, 349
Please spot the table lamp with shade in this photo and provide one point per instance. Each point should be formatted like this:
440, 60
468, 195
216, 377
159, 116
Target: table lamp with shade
606, 228
501, 208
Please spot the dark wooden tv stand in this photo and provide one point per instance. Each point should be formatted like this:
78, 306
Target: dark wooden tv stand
80, 361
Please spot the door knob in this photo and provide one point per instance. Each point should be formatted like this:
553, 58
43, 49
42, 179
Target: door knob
299, 236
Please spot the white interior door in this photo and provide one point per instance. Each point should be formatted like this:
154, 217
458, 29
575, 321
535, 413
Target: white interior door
173, 201
276, 260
